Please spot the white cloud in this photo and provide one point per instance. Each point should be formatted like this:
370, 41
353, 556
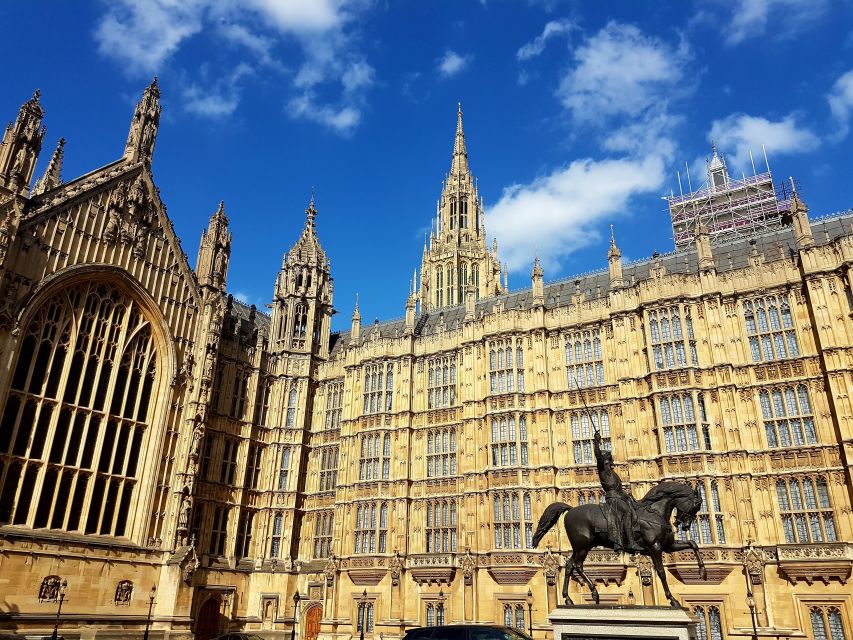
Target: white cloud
619, 87
452, 63
841, 103
145, 35
622, 72
739, 133
142, 35
554, 215
536, 46
750, 18
342, 119
219, 99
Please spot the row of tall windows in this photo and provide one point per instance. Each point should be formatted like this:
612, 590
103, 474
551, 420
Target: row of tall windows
441, 452
806, 510
770, 328
440, 527
375, 462
506, 365
371, 527
77, 412
513, 521
451, 283
378, 387
324, 522
584, 359
334, 404
826, 622
509, 445
671, 331
583, 427
329, 468
458, 212
787, 416
708, 527
514, 616
684, 423
441, 382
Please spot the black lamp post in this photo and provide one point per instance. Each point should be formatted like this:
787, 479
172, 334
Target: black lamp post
295, 611
530, 612
362, 609
750, 602
151, 595
62, 589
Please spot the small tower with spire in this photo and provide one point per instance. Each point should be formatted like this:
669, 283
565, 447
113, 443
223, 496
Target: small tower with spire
52, 176
20, 147
614, 263
457, 251
214, 251
144, 126
302, 299
800, 220
537, 283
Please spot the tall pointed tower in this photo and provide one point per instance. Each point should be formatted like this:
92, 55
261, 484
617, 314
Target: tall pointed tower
458, 254
143, 128
302, 301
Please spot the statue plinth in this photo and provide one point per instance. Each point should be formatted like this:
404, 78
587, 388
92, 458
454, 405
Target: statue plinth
621, 622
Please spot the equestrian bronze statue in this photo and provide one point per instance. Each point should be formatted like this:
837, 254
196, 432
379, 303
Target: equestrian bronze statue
623, 524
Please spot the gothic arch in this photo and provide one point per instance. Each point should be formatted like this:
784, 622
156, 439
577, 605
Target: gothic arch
100, 321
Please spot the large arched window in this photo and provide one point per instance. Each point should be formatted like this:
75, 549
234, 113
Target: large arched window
76, 413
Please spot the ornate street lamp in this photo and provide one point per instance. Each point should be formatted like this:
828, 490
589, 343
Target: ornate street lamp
151, 595
63, 588
362, 618
530, 611
295, 611
750, 602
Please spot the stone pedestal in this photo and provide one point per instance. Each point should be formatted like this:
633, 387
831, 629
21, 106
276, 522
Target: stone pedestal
621, 622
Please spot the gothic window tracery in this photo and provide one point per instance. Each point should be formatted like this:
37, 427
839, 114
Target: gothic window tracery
439, 286
275, 538
513, 520
378, 387
334, 404
583, 428
709, 625
371, 527
685, 424
283, 468
329, 468
375, 461
441, 452
584, 359
827, 623
770, 328
244, 534
709, 526
77, 412
506, 366
218, 531
323, 525
509, 445
671, 332
441, 382
364, 619
514, 615
440, 530
292, 398
806, 510
787, 415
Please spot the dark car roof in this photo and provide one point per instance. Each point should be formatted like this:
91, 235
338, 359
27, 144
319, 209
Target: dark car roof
498, 627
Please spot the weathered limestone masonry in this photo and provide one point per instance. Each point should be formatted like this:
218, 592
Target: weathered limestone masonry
156, 432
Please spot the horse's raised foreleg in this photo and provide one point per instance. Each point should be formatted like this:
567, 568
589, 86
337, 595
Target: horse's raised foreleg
679, 545
657, 560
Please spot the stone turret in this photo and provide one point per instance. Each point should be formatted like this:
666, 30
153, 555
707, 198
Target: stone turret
20, 147
703, 248
302, 301
214, 251
800, 220
144, 126
52, 176
614, 263
355, 329
537, 284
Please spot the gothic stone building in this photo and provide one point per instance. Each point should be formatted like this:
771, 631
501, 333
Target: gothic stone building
154, 432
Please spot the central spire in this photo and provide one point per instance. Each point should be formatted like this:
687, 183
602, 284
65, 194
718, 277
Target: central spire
460, 154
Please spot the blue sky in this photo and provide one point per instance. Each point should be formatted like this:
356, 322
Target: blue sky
577, 115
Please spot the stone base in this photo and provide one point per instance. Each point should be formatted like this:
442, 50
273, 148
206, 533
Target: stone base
621, 622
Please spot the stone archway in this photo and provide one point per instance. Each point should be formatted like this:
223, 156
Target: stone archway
209, 620
312, 622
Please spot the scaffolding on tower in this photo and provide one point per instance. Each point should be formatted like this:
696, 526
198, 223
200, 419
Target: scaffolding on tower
728, 208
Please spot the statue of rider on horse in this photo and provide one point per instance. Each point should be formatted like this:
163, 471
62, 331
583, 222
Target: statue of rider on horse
622, 523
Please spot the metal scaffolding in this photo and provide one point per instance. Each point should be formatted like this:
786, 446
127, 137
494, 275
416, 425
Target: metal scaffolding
726, 207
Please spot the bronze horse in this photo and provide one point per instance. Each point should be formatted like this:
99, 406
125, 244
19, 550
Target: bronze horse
586, 527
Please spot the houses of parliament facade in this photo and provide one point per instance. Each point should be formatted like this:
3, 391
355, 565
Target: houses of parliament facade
175, 464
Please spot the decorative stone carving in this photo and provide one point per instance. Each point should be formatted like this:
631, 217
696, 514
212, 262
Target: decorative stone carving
550, 565
468, 563
753, 563
816, 562
49, 589
396, 567
124, 591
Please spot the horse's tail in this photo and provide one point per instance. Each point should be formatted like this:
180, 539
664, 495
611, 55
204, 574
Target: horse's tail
548, 519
